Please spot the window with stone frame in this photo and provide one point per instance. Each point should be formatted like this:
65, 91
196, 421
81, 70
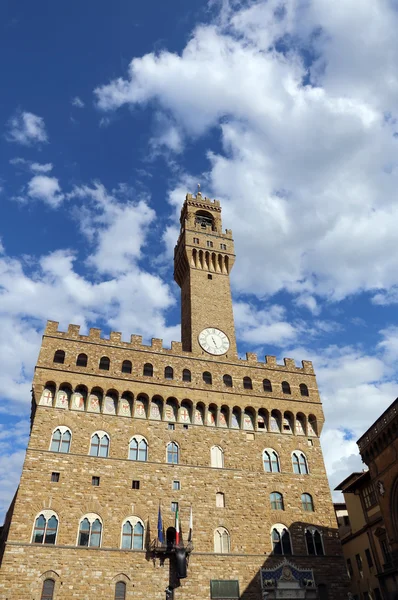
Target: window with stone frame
307, 502
90, 531
217, 457
280, 537
186, 375
104, 363
120, 590
168, 373
138, 449
59, 357
47, 592
227, 380
133, 534
173, 453
314, 542
299, 461
45, 529
286, 387
303, 390
61, 439
221, 540
271, 461
127, 366
267, 385
247, 383
148, 370
99, 445
276, 499
81, 360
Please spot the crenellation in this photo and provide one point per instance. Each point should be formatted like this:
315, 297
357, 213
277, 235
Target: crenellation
251, 357
157, 344
136, 340
73, 330
270, 361
290, 363
176, 348
95, 333
115, 337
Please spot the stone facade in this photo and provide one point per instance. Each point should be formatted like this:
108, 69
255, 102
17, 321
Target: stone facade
269, 406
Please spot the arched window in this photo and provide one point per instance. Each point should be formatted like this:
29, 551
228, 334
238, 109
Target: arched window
299, 461
271, 461
120, 590
186, 375
60, 441
104, 363
99, 444
227, 379
220, 500
221, 540
207, 377
275, 421
138, 449
303, 389
267, 385
90, 530
148, 370
281, 543
127, 366
307, 502
217, 457
133, 534
172, 453
168, 373
81, 360
47, 592
45, 530
314, 542
276, 500
247, 383
286, 387
59, 357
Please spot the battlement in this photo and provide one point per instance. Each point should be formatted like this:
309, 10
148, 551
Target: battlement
135, 343
199, 199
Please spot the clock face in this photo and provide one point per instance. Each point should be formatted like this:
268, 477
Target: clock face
214, 341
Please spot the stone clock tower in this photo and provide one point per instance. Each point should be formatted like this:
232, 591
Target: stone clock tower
141, 455
203, 259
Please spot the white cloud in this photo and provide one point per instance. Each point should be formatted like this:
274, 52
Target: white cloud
308, 154
35, 167
77, 102
47, 189
26, 128
41, 168
120, 228
267, 326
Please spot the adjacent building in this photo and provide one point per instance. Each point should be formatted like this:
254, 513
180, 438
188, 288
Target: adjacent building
183, 472
370, 535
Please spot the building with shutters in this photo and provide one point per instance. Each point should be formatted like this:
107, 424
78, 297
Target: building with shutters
120, 429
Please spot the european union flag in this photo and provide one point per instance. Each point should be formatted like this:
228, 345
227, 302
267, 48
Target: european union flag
160, 527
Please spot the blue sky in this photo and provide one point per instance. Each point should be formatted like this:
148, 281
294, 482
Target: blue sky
285, 111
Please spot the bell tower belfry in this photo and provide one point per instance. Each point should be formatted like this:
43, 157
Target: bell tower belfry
203, 259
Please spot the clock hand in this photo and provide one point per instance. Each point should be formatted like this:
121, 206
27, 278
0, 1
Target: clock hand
214, 342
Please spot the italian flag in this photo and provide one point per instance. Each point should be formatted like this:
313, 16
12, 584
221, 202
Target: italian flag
177, 527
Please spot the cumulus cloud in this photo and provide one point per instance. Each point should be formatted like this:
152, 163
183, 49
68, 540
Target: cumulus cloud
308, 146
47, 189
119, 227
26, 128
